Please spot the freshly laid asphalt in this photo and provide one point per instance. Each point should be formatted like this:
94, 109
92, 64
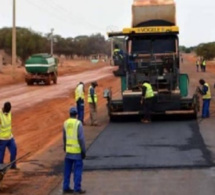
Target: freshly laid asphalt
133, 145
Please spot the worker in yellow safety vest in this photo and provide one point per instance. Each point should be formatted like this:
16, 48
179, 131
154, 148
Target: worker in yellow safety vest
146, 101
118, 53
206, 97
203, 65
92, 100
79, 98
197, 65
6, 137
74, 146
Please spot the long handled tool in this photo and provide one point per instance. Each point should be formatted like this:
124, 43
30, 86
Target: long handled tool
5, 167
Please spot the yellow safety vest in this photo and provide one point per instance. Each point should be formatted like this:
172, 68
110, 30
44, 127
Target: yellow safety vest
5, 126
71, 128
208, 94
116, 52
149, 90
204, 63
78, 94
89, 96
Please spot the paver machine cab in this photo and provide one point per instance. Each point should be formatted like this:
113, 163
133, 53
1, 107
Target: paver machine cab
152, 54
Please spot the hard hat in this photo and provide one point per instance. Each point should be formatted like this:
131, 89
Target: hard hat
73, 110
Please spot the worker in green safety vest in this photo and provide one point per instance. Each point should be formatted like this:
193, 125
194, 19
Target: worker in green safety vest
203, 65
92, 100
146, 101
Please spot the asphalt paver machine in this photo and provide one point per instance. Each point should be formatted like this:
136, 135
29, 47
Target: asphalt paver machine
152, 54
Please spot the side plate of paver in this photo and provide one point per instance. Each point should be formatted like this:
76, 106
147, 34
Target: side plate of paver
133, 145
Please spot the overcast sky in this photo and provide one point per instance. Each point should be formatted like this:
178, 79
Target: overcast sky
70, 18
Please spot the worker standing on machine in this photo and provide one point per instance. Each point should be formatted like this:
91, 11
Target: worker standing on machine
6, 137
206, 97
79, 98
146, 101
118, 54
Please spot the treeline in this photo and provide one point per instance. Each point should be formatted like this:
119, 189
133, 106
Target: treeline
30, 42
205, 50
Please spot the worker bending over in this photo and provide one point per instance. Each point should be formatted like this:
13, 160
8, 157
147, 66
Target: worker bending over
79, 98
146, 101
206, 97
92, 100
74, 146
6, 136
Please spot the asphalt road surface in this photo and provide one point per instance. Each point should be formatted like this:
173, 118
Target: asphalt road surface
134, 145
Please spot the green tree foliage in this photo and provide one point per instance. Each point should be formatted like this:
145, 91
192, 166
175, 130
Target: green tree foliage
207, 50
30, 42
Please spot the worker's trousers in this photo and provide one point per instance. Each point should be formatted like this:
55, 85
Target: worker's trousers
93, 114
80, 109
11, 145
206, 108
147, 108
77, 167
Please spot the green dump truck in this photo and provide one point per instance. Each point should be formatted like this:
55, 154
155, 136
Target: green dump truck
41, 68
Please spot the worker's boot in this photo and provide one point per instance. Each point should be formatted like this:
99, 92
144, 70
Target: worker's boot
80, 192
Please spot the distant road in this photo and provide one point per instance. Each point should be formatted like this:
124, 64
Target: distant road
22, 96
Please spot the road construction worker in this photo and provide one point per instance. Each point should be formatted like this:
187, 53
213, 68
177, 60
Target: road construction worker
74, 146
92, 100
146, 101
197, 65
118, 53
206, 97
6, 137
203, 65
79, 98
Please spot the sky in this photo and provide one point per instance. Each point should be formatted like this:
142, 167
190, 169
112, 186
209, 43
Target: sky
70, 18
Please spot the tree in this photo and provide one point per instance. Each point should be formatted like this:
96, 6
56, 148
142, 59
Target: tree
207, 50
28, 42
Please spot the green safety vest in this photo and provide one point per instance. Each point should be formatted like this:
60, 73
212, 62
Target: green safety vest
78, 94
204, 63
116, 52
89, 100
208, 94
71, 128
149, 90
5, 126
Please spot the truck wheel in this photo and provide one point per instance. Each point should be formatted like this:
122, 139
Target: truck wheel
48, 80
29, 82
55, 79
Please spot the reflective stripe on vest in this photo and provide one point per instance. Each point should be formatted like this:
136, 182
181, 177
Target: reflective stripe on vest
71, 128
149, 90
5, 126
89, 100
79, 93
208, 94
